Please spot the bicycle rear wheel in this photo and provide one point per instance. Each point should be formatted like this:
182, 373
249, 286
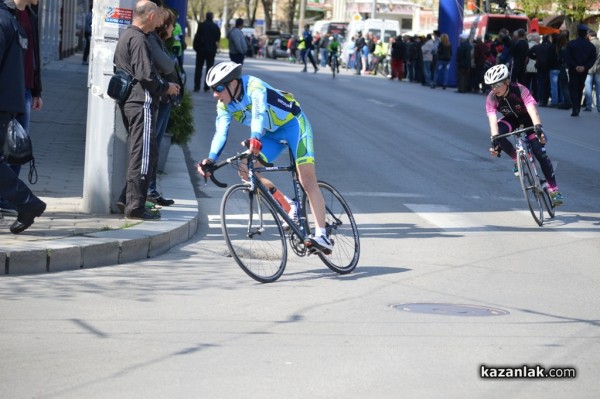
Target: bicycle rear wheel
341, 229
531, 189
253, 234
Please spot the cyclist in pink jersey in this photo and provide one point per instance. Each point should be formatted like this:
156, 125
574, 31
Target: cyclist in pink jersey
518, 107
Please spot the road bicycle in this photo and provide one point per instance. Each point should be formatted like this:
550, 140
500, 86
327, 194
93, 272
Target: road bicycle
335, 66
251, 221
534, 188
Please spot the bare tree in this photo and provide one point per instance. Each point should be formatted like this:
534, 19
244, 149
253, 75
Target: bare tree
268, 9
291, 14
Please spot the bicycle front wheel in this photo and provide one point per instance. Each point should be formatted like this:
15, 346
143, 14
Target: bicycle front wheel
531, 189
253, 234
548, 204
333, 66
342, 231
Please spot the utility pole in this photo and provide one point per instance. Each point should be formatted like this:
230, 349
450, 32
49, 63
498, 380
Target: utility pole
106, 137
301, 17
225, 22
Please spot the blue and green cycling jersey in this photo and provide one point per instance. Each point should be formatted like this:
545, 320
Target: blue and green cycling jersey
271, 114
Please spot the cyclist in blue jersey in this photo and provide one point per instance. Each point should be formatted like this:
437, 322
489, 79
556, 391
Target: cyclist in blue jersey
272, 115
518, 107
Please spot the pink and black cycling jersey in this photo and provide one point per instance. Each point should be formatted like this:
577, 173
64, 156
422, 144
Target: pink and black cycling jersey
513, 106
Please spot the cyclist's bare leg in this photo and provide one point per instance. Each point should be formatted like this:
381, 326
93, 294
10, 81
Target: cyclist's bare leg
308, 178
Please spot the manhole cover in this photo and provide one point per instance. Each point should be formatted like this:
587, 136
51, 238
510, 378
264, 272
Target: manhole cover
449, 309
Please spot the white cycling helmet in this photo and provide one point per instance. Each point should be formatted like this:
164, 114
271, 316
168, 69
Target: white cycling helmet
223, 72
496, 74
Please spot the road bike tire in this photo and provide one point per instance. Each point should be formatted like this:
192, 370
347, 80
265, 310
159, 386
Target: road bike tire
333, 66
262, 253
341, 229
548, 203
530, 185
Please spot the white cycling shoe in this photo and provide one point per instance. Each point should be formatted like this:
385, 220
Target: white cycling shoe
320, 243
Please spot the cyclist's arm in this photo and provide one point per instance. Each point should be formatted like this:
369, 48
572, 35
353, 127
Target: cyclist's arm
534, 114
490, 110
221, 131
493, 120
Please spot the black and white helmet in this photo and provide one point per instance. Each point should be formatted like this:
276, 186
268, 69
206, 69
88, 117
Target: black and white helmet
223, 72
496, 74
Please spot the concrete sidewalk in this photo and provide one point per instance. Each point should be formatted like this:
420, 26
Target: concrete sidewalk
64, 238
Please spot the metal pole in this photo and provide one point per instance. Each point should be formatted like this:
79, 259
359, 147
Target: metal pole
301, 18
106, 138
373, 8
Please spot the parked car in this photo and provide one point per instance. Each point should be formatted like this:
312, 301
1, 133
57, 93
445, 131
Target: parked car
277, 45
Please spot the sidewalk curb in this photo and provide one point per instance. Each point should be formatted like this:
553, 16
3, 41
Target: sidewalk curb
111, 247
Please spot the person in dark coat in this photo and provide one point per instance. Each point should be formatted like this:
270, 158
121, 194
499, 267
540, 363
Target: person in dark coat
463, 64
581, 55
206, 42
542, 53
518, 52
397, 55
12, 104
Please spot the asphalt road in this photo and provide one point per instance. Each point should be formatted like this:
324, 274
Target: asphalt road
454, 274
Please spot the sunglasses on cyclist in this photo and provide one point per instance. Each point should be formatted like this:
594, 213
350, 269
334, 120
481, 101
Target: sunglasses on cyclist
497, 85
220, 88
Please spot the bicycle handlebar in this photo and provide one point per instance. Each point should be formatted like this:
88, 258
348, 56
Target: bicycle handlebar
211, 168
513, 133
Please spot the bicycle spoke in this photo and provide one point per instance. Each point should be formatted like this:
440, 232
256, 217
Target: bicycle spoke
342, 231
531, 187
253, 234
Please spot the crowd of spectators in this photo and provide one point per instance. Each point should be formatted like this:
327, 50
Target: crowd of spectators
559, 72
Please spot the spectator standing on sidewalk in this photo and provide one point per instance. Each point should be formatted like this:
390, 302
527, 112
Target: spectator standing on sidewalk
13, 41
323, 48
87, 34
581, 56
178, 44
28, 20
397, 58
531, 71
463, 64
518, 52
480, 50
564, 96
444, 56
238, 46
133, 55
206, 42
541, 53
359, 43
167, 66
593, 78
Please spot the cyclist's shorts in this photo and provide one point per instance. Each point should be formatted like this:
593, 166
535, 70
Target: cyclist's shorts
299, 135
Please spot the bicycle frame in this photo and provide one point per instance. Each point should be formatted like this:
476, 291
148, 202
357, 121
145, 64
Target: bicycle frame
259, 245
301, 229
529, 176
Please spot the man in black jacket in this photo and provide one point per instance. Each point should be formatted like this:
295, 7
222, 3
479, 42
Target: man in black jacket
206, 42
12, 104
132, 55
519, 51
581, 55
543, 53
